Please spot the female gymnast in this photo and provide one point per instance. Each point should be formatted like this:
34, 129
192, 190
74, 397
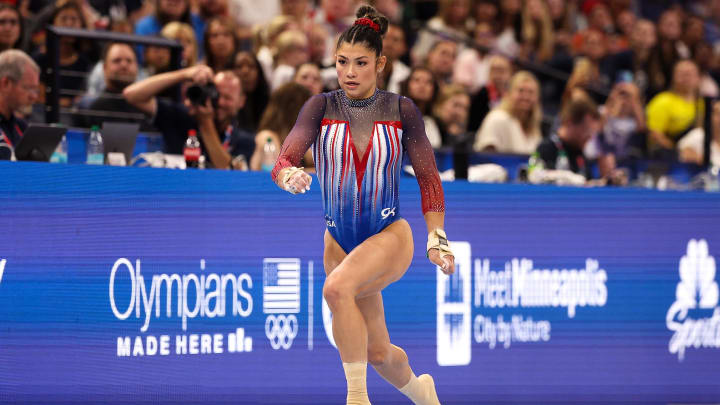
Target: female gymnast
358, 135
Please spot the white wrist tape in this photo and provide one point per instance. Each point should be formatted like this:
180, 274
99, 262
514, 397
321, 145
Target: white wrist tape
438, 240
286, 174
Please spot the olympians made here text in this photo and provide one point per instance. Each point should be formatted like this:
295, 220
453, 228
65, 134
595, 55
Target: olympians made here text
185, 297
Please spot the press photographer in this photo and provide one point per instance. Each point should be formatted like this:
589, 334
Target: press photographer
210, 106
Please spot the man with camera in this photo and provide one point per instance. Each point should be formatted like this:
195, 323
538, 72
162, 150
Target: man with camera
210, 106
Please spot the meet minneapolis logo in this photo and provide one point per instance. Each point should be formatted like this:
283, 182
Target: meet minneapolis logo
694, 317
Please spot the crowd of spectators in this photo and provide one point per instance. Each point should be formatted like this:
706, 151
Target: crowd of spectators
601, 80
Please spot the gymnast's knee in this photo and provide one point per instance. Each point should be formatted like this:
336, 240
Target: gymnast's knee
336, 292
379, 354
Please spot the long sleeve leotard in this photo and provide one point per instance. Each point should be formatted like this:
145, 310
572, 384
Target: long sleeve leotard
358, 148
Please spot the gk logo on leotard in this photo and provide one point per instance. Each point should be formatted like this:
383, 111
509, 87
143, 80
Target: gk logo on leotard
281, 330
387, 212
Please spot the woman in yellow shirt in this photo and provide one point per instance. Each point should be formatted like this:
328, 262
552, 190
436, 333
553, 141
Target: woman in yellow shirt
673, 113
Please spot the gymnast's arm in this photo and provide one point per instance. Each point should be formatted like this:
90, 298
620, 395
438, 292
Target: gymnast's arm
286, 173
422, 159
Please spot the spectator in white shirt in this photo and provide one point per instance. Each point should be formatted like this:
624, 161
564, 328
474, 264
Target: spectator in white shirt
514, 126
267, 36
291, 51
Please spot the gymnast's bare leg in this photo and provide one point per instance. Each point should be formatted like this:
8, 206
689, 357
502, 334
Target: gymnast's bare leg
352, 290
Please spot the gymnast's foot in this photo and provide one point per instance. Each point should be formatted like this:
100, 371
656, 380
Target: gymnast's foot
421, 390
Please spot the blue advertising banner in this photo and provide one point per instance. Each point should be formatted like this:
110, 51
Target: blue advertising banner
129, 285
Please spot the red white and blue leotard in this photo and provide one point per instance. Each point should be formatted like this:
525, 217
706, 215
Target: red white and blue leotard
360, 186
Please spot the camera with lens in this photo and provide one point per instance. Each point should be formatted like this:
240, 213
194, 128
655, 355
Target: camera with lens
198, 94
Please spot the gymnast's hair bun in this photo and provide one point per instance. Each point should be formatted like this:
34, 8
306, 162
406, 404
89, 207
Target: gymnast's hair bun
373, 15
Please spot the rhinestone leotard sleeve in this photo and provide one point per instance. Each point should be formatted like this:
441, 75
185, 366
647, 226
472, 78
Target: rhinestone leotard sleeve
421, 157
302, 135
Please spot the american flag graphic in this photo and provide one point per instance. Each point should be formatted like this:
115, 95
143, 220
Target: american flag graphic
281, 286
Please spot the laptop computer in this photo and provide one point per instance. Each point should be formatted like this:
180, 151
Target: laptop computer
39, 142
119, 137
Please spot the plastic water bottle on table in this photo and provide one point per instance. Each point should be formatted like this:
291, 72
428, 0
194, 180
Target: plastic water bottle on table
61, 152
270, 155
95, 147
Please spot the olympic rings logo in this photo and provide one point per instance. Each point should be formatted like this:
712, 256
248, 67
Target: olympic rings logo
281, 330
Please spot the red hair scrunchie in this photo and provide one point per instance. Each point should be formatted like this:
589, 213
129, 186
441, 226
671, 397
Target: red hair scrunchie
368, 22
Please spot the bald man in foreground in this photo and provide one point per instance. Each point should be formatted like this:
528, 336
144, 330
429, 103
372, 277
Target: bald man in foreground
19, 86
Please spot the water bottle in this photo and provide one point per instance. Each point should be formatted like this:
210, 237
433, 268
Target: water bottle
270, 155
562, 162
95, 148
535, 162
192, 151
60, 155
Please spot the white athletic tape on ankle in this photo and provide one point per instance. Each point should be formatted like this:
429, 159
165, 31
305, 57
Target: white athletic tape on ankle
421, 390
408, 386
356, 373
